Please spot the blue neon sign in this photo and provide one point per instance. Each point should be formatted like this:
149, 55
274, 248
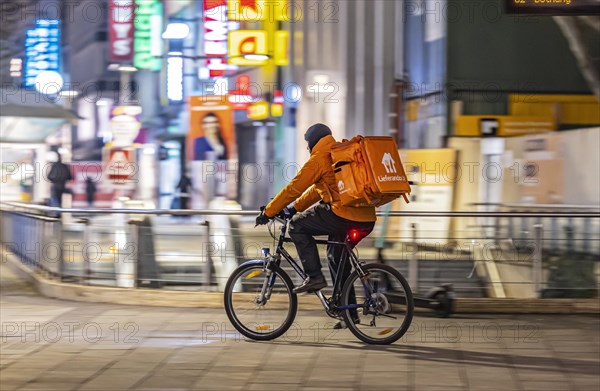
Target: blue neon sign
42, 49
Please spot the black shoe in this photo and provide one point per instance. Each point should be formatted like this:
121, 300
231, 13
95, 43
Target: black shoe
311, 284
342, 325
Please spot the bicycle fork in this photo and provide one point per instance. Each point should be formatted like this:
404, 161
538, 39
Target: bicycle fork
269, 281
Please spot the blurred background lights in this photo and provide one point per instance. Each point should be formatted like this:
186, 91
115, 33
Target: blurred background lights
49, 83
176, 31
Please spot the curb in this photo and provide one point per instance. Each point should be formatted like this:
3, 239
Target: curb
127, 296
186, 299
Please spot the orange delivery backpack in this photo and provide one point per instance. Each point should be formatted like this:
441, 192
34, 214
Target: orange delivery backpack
368, 171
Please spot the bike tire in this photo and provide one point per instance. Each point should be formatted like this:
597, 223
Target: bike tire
410, 306
238, 325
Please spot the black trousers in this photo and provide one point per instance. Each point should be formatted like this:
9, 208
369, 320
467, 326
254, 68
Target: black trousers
320, 220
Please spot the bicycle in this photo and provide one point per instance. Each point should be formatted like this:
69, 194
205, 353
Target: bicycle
385, 301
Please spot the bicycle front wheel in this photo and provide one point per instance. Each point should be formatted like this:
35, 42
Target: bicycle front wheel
378, 308
254, 318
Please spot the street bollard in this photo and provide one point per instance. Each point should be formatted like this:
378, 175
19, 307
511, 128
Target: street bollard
146, 271
58, 235
86, 272
537, 261
413, 266
207, 273
135, 238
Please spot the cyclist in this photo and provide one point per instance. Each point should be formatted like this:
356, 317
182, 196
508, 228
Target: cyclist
315, 182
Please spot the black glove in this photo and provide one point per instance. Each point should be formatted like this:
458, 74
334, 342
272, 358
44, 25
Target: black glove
287, 213
292, 211
262, 219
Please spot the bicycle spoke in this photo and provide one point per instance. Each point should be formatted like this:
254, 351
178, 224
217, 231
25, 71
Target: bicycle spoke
259, 320
384, 320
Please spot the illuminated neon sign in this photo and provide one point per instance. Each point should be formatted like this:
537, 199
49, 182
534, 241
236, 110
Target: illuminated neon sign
245, 42
216, 27
42, 49
120, 30
257, 10
268, 43
175, 79
147, 13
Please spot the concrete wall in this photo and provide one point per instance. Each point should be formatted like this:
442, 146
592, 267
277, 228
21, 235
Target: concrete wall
578, 150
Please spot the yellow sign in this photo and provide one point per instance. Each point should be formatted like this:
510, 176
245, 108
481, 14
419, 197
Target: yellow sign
258, 110
280, 48
276, 110
243, 43
502, 125
257, 10
567, 109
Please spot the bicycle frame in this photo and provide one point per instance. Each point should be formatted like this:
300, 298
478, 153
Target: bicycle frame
328, 304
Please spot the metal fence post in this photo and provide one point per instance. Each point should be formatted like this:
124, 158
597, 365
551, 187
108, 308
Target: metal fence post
58, 231
537, 260
86, 272
135, 238
413, 267
208, 260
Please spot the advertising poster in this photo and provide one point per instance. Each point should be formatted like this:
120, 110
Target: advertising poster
211, 135
433, 174
543, 171
211, 150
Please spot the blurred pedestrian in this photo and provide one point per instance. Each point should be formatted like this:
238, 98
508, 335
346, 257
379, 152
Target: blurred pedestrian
59, 175
90, 191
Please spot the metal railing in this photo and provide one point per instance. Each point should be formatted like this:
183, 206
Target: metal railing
198, 249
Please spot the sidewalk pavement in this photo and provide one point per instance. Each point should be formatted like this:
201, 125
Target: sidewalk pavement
48, 344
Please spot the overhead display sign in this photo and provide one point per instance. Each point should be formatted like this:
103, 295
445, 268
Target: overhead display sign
42, 50
148, 28
502, 125
120, 30
553, 7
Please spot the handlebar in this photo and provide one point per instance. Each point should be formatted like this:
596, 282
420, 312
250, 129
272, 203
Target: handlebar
281, 220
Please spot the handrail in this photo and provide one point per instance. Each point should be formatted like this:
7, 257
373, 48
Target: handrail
229, 212
538, 206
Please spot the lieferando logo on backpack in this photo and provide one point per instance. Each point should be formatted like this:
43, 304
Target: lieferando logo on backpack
389, 164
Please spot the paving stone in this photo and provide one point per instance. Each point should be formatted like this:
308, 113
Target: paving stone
173, 351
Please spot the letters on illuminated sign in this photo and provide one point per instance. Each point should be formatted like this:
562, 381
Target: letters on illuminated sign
246, 42
42, 49
216, 27
258, 110
120, 30
145, 12
257, 10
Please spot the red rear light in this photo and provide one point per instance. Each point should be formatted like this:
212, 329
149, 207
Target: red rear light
356, 235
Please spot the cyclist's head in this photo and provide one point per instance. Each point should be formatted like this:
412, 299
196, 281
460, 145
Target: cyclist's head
315, 133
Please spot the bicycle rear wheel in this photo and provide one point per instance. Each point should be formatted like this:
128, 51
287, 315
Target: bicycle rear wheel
265, 320
384, 304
